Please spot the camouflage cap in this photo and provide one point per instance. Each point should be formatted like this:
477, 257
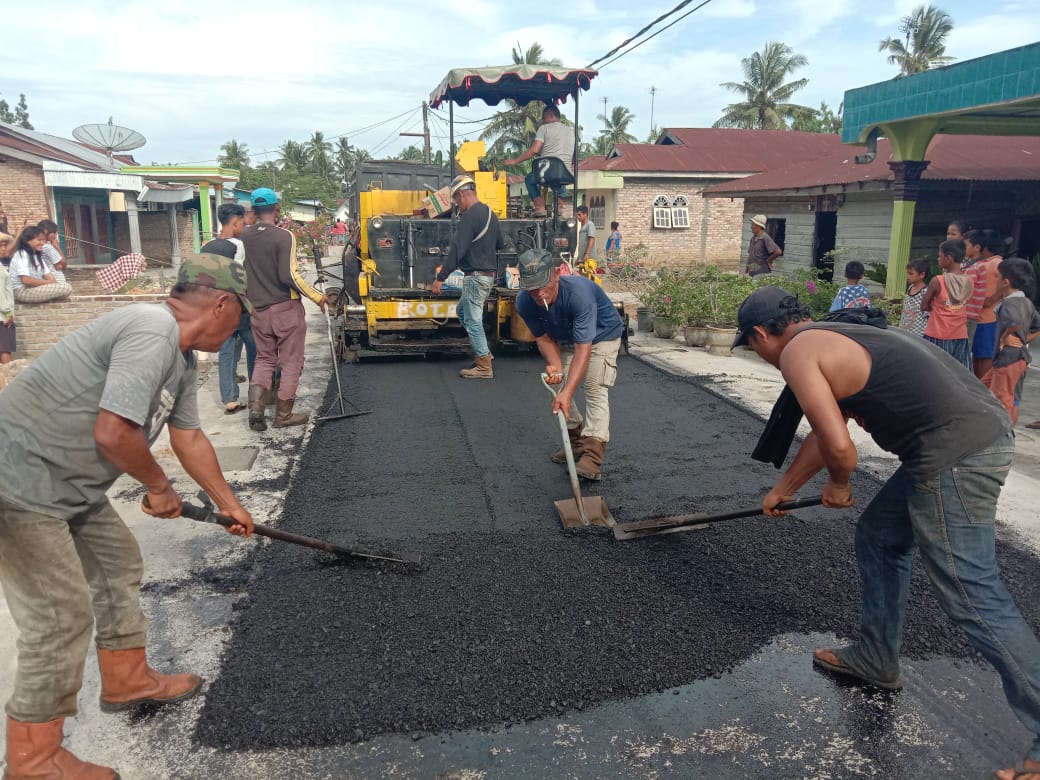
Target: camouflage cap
220, 273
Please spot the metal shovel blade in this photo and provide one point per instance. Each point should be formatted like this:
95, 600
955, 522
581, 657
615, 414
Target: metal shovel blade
596, 512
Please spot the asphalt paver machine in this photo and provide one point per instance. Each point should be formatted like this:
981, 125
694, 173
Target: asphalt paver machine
406, 227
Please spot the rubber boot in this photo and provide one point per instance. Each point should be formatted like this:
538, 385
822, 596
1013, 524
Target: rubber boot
257, 408
591, 458
539, 206
271, 396
127, 680
482, 369
284, 417
574, 434
34, 752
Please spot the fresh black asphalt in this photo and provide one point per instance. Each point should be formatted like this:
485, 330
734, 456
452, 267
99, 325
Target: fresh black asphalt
510, 618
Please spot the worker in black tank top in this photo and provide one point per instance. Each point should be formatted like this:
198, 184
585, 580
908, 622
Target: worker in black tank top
955, 444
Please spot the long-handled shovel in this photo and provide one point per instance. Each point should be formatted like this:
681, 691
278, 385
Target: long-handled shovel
206, 514
343, 413
671, 524
578, 511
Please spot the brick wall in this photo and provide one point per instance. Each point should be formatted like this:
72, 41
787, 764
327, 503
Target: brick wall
23, 193
155, 235
42, 325
713, 237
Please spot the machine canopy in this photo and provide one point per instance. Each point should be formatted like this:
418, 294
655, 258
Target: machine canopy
521, 83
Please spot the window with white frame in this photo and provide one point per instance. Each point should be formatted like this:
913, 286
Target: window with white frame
680, 212
662, 212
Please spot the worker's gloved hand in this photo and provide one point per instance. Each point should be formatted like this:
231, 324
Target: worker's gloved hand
244, 520
164, 502
553, 375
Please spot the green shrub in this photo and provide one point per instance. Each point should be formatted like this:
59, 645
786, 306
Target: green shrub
806, 284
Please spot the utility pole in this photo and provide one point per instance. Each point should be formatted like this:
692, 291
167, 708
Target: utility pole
425, 134
605, 125
653, 93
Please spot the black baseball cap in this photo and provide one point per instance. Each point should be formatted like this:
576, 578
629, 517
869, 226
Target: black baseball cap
764, 304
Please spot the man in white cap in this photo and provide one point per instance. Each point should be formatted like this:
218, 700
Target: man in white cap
762, 249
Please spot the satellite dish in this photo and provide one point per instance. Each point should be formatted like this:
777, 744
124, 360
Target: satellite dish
110, 137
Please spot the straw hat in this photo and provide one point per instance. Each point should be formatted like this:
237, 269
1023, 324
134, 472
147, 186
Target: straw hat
759, 219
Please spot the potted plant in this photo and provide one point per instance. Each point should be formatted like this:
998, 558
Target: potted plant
725, 292
664, 297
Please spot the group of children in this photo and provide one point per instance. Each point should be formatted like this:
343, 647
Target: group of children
979, 309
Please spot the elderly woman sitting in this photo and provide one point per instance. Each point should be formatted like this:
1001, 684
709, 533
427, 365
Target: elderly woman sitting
32, 276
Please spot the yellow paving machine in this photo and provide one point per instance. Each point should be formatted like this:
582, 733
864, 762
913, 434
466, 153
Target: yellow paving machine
406, 225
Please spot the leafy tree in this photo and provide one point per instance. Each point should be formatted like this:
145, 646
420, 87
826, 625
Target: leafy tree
20, 115
924, 45
822, 121
616, 126
293, 156
234, 155
765, 105
513, 130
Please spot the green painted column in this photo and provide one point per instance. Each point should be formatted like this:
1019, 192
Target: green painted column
905, 189
205, 211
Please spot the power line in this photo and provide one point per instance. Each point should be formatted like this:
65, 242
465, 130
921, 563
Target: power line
628, 51
393, 135
660, 18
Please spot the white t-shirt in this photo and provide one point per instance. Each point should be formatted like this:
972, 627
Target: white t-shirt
22, 265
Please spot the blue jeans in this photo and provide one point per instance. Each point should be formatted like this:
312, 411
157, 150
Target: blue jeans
534, 187
951, 520
230, 354
470, 311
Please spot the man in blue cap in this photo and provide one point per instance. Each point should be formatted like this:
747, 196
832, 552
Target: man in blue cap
84, 413
955, 444
573, 313
276, 287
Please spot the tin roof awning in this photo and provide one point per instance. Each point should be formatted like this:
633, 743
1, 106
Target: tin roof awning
154, 192
57, 174
520, 83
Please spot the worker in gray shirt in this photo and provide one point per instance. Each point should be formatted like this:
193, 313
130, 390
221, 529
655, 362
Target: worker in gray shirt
586, 236
553, 139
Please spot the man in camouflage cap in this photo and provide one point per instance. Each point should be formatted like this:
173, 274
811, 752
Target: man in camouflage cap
82, 414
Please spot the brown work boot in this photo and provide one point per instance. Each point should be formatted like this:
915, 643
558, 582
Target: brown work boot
34, 752
539, 206
257, 407
284, 417
482, 369
574, 434
591, 458
127, 680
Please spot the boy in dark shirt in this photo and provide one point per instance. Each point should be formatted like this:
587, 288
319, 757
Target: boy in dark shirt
1017, 324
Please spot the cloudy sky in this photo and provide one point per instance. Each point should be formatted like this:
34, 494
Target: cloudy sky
262, 72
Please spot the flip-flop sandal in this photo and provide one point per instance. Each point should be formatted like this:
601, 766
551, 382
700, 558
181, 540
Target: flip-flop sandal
238, 407
848, 671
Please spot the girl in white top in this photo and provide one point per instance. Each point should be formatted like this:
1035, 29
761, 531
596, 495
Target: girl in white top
32, 277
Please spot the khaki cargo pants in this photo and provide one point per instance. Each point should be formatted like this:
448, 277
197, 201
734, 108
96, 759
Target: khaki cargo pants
60, 578
599, 379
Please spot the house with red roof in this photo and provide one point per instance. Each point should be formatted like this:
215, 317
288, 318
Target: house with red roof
654, 190
843, 200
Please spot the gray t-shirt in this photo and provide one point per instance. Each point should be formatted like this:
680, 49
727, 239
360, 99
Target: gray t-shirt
588, 230
127, 362
557, 141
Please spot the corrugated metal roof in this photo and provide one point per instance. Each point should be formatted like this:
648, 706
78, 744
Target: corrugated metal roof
716, 151
952, 158
64, 149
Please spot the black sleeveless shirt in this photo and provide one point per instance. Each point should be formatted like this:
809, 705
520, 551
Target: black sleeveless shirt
919, 402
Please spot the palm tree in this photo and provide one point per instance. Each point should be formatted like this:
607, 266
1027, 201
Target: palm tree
925, 31
293, 155
513, 130
411, 153
616, 125
344, 157
319, 154
765, 105
234, 155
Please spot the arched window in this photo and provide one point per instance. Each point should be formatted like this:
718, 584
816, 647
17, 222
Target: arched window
680, 212
662, 212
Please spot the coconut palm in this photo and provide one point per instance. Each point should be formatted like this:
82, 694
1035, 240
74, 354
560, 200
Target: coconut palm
616, 125
513, 130
319, 155
765, 105
234, 155
924, 45
293, 155
344, 157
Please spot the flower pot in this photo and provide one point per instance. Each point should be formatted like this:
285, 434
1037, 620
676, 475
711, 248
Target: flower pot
695, 335
645, 320
664, 327
720, 340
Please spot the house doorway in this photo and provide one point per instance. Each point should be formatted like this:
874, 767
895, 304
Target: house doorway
84, 227
825, 235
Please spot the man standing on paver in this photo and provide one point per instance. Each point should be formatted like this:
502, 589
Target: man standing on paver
586, 235
474, 250
575, 311
762, 249
955, 445
81, 415
553, 139
279, 323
